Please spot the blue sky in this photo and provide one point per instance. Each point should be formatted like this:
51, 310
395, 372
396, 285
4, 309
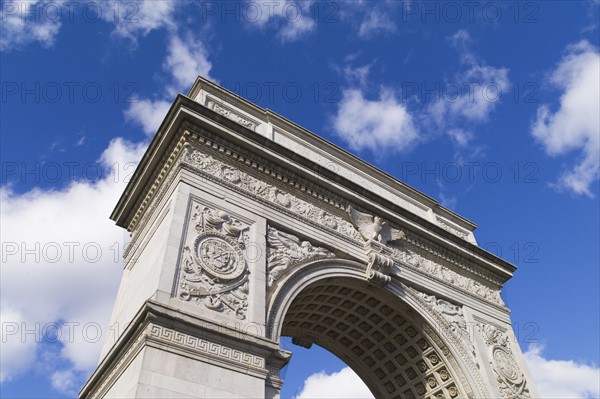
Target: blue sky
489, 107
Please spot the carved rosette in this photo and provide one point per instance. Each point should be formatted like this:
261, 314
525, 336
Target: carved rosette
214, 270
511, 380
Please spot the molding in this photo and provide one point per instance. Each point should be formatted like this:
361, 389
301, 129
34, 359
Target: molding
199, 345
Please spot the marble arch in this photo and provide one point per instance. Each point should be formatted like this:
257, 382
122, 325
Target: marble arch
245, 227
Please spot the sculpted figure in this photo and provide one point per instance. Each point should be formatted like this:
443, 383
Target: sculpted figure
286, 250
373, 228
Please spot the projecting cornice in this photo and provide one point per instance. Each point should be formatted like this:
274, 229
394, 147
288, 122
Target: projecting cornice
303, 155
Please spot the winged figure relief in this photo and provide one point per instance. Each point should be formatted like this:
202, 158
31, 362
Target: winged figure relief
373, 227
285, 250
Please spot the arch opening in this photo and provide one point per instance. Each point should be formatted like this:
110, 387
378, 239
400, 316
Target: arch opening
381, 338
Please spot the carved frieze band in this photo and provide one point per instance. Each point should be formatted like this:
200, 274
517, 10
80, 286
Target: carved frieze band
511, 380
213, 269
286, 251
410, 257
231, 114
450, 228
206, 347
270, 193
310, 213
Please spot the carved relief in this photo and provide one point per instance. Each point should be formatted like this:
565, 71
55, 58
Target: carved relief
311, 213
206, 347
272, 194
373, 227
510, 378
376, 234
286, 250
214, 270
380, 263
453, 314
231, 114
412, 258
451, 229
451, 328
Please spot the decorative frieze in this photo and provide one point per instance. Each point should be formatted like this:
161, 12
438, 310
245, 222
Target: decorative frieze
511, 380
369, 224
412, 258
213, 269
450, 228
285, 251
210, 348
231, 114
260, 189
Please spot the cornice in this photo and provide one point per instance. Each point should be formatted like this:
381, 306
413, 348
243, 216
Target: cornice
305, 176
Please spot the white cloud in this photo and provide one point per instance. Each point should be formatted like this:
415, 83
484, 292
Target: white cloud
186, 59
460, 137
28, 21
375, 22
474, 92
575, 125
140, 17
344, 384
62, 264
148, 114
562, 378
369, 18
382, 125
65, 382
357, 76
293, 20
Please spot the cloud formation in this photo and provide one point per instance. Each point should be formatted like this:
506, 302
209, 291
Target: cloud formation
383, 125
562, 378
574, 126
61, 267
24, 22
344, 384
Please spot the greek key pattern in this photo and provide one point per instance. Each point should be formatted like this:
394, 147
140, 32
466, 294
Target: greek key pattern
207, 347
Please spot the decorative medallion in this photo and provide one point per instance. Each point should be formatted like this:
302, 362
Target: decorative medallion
219, 256
510, 378
214, 270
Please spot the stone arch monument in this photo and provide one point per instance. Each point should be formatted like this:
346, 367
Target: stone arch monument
245, 228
